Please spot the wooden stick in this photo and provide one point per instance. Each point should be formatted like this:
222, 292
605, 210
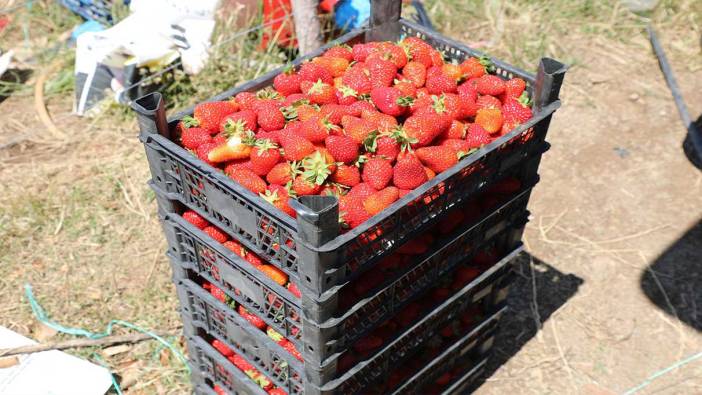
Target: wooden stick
78, 343
307, 26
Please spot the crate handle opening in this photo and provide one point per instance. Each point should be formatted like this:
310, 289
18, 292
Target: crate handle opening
151, 114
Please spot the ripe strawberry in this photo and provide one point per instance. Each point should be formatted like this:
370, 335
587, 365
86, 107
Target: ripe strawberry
303, 113
278, 197
390, 100
377, 172
462, 147
347, 175
340, 51
280, 174
287, 82
423, 128
490, 119
419, 50
487, 101
438, 82
476, 67
192, 138
457, 130
222, 348
389, 51
249, 180
452, 71
319, 92
251, 318
345, 95
241, 363
514, 87
361, 51
408, 173
381, 72
277, 391
217, 293
316, 129
438, 158
476, 136
490, 85
342, 148
215, 233
274, 274
295, 146
357, 129
203, 152
516, 110
246, 100
333, 112
357, 108
270, 117
235, 165
378, 201
467, 91
264, 156
303, 186
210, 114
253, 259
437, 58
334, 65
294, 290
240, 120
389, 147
235, 247
219, 390
351, 210
362, 191
290, 347
357, 79
382, 122
313, 72
195, 219
416, 73
451, 105
406, 87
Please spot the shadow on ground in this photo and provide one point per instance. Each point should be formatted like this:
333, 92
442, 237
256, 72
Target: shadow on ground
519, 325
678, 272
11, 81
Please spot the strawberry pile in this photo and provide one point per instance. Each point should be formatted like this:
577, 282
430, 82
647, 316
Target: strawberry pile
367, 123
245, 367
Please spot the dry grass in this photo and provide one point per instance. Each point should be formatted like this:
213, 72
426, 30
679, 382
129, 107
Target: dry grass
78, 222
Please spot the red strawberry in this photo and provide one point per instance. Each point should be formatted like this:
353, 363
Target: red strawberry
287, 82
346, 96
476, 136
357, 129
361, 51
203, 152
490, 119
467, 91
222, 348
381, 72
249, 180
195, 219
192, 138
234, 165
218, 294
241, 363
419, 50
235, 247
388, 147
382, 122
335, 66
377, 172
215, 233
340, 51
351, 210
457, 130
253, 259
423, 128
210, 114
241, 120
277, 391
438, 158
290, 347
333, 112
362, 191
270, 117
319, 92
408, 173
295, 146
406, 87
514, 87
280, 174
357, 108
313, 72
264, 156
437, 58
342, 148
391, 52
438, 82
219, 390
415, 72
246, 100
487, 101
390, 100
516, 110
346, 175
490, 85
294, 290
316, 129
452, 71
278, 197
302, 186
253, 319
378, 201
461, 146
357, 79
476, 67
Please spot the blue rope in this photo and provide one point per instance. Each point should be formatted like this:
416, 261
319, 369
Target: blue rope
41, 315
662, 372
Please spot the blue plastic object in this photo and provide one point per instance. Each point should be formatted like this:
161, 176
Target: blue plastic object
93, 10
89, 26
352, 14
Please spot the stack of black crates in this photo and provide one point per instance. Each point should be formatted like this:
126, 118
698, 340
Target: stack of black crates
432, 323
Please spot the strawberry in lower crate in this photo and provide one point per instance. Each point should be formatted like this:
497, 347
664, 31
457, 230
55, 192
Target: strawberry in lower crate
252, 318
219, 390
283, 342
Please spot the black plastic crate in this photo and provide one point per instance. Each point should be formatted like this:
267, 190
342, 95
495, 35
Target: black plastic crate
193, 250
205, 315
310, 248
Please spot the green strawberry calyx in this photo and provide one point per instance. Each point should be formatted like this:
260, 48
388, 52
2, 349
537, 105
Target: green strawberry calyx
405, 101
316, 168
370, 143
190, 122
487, 63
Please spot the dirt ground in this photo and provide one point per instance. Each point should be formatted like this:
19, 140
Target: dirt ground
609, 293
